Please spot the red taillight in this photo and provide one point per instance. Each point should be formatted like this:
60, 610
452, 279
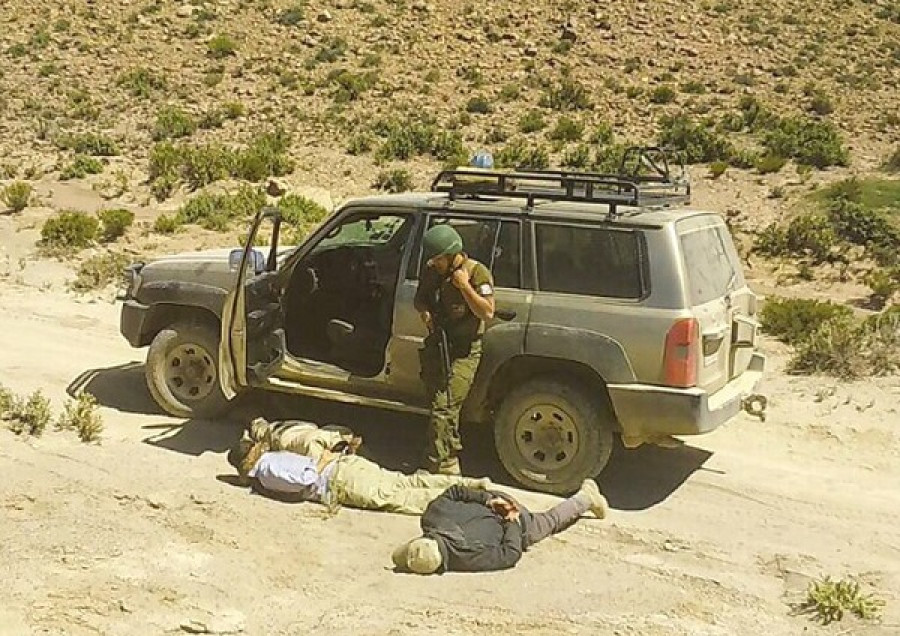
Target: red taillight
680, 361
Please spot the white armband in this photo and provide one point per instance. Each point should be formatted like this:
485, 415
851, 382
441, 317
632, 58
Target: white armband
485, 289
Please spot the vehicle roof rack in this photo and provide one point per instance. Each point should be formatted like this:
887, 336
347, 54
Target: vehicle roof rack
644, 179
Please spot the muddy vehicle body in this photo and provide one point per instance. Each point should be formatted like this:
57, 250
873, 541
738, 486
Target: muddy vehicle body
620, 311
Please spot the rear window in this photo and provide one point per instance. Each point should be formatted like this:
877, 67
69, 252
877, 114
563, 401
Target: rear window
589, 261
712, 263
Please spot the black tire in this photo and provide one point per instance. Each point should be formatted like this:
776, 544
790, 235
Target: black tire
551, 436
182, 370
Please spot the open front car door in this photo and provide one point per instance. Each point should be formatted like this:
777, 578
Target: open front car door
252, 343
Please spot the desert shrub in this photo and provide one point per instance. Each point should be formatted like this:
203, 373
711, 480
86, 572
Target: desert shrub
80, 167
697, 140
99, 271
838, 347
332, 50
743, 158
892, 164
717, 169
448, 147
602, 135
217, 211
577, 157
884, 283
114, 223
16, 196
861, 225
510, 92
172, 122
266, 156
92, 144
566, 130
397, 180
663, 94
518, 154
233, 110
301, 211
29, 416
221, 46
567, 95
769, 164
532, 121
165, 224
141, 82
479, 105
205, 164
793, 320
82, 416
292, 15
69, 229
693, 87
827, 601
810, 234
609, 158
821, 104
350, 86
360, 144
7, 401
406, 139
809, 141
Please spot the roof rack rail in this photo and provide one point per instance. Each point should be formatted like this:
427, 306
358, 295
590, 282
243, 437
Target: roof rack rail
644, 180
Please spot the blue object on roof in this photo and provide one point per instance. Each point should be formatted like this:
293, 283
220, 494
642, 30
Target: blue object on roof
483, 159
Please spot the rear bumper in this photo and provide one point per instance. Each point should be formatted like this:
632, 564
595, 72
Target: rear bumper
132, 322
646, 409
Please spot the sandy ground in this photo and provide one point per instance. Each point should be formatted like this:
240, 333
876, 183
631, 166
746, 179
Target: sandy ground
145, 533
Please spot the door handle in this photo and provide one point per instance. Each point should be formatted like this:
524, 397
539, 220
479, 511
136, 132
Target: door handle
505, 314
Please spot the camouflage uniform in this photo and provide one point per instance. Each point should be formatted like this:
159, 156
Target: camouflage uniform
464, 332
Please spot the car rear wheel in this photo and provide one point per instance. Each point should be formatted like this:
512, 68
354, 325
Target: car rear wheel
550, 436
182, 370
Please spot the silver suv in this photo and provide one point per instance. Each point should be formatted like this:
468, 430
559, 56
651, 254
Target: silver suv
620, 312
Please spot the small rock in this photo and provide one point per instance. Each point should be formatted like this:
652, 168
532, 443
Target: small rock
227, 622
185, 11
325, 16
422, 7
274, 189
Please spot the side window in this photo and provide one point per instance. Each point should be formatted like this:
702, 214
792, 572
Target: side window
589, 261
364, 230
494, 243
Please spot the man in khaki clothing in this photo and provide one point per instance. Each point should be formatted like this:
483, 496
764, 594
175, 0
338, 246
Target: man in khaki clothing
343, 479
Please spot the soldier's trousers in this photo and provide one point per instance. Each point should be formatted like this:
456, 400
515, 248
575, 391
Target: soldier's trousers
359, 483
447, 396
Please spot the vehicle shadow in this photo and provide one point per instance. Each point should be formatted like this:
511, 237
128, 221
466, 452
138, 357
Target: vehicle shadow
195, 437
121, 387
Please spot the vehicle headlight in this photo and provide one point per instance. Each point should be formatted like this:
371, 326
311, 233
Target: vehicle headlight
131, 281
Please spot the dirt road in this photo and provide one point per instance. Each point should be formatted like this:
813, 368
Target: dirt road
145, 534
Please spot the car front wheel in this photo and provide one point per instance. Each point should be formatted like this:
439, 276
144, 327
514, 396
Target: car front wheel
550, 436
182, 370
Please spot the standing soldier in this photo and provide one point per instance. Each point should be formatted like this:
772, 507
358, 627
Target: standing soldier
454, 299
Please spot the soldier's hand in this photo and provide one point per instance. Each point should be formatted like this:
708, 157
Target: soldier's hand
427, 320
460, 278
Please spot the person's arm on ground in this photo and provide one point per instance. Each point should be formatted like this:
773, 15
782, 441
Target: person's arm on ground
503, 556
468, 495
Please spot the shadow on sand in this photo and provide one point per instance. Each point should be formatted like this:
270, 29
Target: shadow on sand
633, 479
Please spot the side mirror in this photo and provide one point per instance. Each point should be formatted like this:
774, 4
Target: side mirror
257, 260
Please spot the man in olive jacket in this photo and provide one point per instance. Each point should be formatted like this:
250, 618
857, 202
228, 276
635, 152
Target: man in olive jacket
468, 530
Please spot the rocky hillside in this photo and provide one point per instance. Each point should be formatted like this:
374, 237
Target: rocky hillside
336, 75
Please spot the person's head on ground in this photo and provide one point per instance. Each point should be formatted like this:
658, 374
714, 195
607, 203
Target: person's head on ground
419, 556
254, 441
441, 246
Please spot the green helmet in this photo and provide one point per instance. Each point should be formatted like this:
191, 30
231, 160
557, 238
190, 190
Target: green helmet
441, 239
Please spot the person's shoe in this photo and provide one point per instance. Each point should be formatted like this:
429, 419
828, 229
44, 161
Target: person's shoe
484, 483
591, 492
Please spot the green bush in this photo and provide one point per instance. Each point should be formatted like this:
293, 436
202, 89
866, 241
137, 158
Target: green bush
717, 169
532, 121
333, 50
793, 320
217, 211
663, 95
577, 157
92, 144
82, 416
608, 159
821, 104
266, 156
80, 167
70, 229
360, 144
817, 143
397, 180
828, 600
694, 88
566, 130
567, 95
221, 46
101, 270
292, 15
806, 235
603, 135
165, 224
206, 164
172, 123
518, 154
406, 139
860, 225
769, 164
300, 211
479, 105
884, 283
30, 416
16, 196
892, 164
114, 223
141, 82
697, 140
350, 86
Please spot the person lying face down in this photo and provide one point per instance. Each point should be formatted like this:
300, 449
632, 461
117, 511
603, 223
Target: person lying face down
467, 530
349, 480
304, 438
